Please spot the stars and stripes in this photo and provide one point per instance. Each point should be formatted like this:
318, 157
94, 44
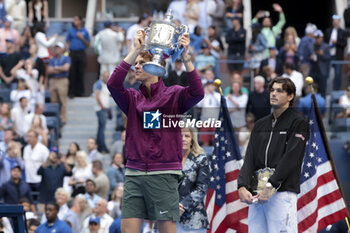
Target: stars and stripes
225, 210
320, 201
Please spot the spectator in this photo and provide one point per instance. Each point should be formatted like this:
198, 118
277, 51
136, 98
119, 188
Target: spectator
131, 81
33, 225
288, 53
3, 12
244, 133
7, 138
177, 76
12, 59
305, 102
18, 115
42, 42
100, 211
336, 37
5, 120
5, 225
62, 198
85, 209
52, 173
58, 71
94, 225
53, 223
37, 126
196, 40
34, 155
26, 207
235, 38
178, 7
81, 173
204, 60
90, 194
8, 33
191, 14
344, 102
131, 32
9, 158
234, 9
118, 146
296, 77
306, 50
40, 66
217, 17
103, 110
38, 12
236, 104
259, 99
93, 153
101, 180
116, 172
208, 76
271, 32
290, 32
17, 9
24, 43
206, 9
72, 215
78, 40
257, 47
116, 226
215, 44
109, 41
236, 78
320, 68
268, 73
115, 204
273, 61
22, 90
38, 110
71, 155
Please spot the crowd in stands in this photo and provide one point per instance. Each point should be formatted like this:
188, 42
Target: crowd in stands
86, 188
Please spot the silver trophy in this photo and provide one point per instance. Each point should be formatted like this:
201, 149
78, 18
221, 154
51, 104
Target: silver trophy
162, 43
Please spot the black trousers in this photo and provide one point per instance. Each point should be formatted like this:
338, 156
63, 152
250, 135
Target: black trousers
76, 72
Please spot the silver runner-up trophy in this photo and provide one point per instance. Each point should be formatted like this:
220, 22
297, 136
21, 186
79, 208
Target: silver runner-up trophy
162, 43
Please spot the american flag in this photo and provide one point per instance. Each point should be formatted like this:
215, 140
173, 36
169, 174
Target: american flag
320, 201
225, 211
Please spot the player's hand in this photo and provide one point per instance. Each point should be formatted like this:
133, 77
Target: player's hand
139, 40
245, 195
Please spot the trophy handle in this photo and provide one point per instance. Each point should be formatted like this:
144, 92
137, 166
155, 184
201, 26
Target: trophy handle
181, 29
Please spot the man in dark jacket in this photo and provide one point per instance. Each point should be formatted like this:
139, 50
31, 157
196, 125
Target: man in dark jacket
337, 39
274, 157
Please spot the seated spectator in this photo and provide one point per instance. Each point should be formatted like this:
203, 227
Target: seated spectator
8, 33
196, 39
5, 225
33, 225
94, 225
236, 104
9, 135
288, 53
23, 90
273, 61
25, 202
204, 60
93, 153
53, 222
295, 76
244, 133
40, 66
52, 173
115, 204
130, 81
209, 75
9, 159
71, 155
18, 115
12, 59
305, 102
177, 76
215, 44
84, 207
90, 195
268, 73
344, 102
72, 215
118, 146
116, 171
81, 173
62, 197
38, 110
259, 99
101, 180
37, 126
235, 77
5, 119
100, 211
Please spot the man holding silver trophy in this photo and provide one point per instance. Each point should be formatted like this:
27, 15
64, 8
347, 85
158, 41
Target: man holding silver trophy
154, 155
269, 180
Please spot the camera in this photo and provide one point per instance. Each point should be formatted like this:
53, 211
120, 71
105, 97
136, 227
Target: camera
265, 14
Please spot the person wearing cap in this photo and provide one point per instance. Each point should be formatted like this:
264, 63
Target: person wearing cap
94, 224
58, 71
306, 50
100, 213
77, 41
53, 223
336, 37
268, 30
7, 32
132, 30
320, 68
52, 174
153, 156
108, 44
12, 60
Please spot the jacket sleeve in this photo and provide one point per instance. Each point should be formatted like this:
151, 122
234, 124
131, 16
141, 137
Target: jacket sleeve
281, 22
342, 39
201, 187
192, 94
120, 94
294, 154
247, 170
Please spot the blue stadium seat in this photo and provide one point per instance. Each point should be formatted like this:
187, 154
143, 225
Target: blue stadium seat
53, 125
55, 28
5, 95
335, 96
47, 96
52, 109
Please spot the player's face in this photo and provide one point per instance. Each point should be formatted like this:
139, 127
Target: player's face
140, 74
279, 97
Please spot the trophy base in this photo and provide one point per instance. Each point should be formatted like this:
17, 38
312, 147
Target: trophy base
154, 68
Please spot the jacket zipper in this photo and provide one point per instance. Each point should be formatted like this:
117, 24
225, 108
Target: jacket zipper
269, 142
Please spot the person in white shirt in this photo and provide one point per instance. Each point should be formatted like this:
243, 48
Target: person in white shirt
236, 104
38, 110
108, 43
100, 210
18, 10
42, 42
131, 33
34, 155
178, 8
18, 115
22, 90
206, 8
61, 197
295, 76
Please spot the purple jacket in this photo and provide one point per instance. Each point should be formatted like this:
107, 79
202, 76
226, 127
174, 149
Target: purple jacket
153, 149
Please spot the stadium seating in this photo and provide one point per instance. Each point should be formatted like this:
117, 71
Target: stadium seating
5, 95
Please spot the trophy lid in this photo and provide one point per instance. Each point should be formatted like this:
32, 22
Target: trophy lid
169, 15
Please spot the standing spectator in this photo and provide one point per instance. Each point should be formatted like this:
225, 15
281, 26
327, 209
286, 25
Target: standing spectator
9, 158
90, 195
236, 104
35, 154
7, 63
116, 172
217, 16
78, 40
100, 211
25, 41
93, 153
18, 10
206, 9
320, 68
234, 9
259, 99
235, 39
306, 50
38, 12
131, 33
43, 42
81, 173
5, 120
193, 185
336, 37
204, 60
297, 79
53, 223
103, 110
109, 43
344, 102
215, 44
269, 31
58, 71
40, 66
191, 14
8, 33
18, 115
177, 76
257, 47
101, 180
52, 173
178, 8
306, 101
273, 61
